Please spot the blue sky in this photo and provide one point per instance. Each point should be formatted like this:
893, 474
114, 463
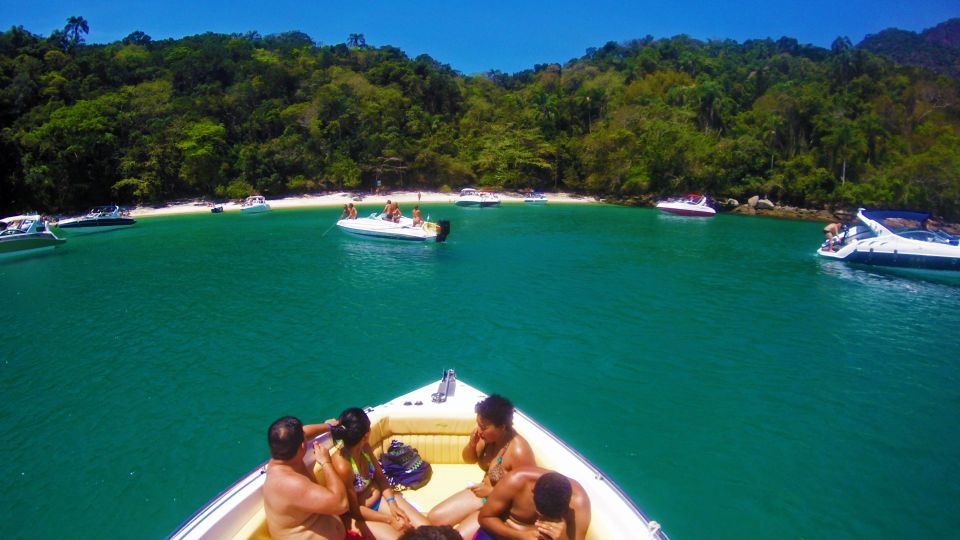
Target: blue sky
474, 37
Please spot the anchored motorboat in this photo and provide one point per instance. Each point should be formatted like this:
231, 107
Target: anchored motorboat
99, 218
895, 238
26, 232
380, 226
535, 198
254, 205
690, 205
478, 198
437, 420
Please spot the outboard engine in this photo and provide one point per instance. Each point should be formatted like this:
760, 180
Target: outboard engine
443, 229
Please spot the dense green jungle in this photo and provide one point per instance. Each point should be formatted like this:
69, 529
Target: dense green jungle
143, 121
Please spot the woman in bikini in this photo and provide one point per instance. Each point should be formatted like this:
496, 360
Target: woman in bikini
378, 512
498, 449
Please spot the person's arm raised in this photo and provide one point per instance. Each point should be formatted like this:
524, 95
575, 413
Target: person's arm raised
469, 453
329, 499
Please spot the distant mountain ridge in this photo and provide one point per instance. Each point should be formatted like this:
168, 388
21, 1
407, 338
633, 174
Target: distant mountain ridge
936, 48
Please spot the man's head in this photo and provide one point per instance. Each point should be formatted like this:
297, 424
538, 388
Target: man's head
285, 437
551, 495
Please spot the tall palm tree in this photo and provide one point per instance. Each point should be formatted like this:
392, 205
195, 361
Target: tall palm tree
356, 41
72, 30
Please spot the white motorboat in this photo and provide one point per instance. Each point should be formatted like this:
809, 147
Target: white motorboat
690, 205
27, 232
437, 420
254, 205
535, 198
478, 198
99, 218
895, 238
378, 226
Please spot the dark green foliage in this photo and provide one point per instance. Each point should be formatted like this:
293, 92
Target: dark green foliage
142, 120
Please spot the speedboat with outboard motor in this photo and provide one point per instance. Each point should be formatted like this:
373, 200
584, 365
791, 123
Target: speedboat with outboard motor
482, 198
895, 238
27, 232
436, 419
254, 205
691, 205
379, 226
99, 218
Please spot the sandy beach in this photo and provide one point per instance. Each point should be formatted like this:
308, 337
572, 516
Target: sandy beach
406, 199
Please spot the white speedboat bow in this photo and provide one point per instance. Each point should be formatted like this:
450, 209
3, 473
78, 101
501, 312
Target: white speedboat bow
254, 205
437, 420
895, 238
380, 227
691, 205
475, 198
25, 233
100, 218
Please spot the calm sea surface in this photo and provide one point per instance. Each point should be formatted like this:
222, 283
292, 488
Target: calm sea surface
734, 385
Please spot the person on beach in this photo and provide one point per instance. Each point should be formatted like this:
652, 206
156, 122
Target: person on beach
497, 449
831, 232
294, 504
375, 508
535, 503
417, 218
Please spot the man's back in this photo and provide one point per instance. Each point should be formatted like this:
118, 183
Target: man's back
290, 505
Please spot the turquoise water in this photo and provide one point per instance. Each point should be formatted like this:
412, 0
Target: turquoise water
733, 385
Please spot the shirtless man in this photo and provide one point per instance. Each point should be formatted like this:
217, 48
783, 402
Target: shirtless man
830, 231
535, 504
295, 505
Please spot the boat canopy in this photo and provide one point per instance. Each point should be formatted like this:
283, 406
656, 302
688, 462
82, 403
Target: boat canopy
880, 215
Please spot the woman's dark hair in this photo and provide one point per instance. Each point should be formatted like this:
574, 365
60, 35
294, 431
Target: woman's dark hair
354, 424
431, 532
551, 495
285, 437
496, 409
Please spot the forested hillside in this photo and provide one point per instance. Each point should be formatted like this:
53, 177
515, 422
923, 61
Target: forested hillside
143, 121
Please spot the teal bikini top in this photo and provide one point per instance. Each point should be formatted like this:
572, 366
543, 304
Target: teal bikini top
360, 483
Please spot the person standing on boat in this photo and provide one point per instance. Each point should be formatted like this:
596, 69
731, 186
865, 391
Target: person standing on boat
387, 212
294, 504
831, 232
377, 511
536, 502
498, 449
417, 218
352, 212
345, 214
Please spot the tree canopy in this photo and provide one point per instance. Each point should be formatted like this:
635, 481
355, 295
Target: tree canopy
214, 115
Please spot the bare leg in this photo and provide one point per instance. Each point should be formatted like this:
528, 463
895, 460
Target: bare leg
455, 508
469, 526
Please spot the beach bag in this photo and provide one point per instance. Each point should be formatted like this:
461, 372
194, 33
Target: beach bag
403, 467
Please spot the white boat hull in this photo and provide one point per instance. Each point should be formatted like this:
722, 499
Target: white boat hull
686, 209
255, 209
238, 511
405, 230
